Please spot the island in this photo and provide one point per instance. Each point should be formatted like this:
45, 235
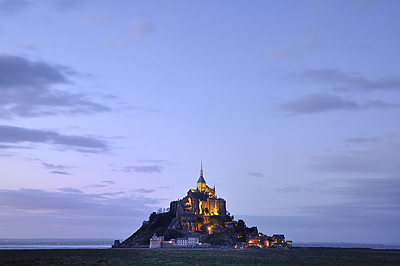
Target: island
199, 220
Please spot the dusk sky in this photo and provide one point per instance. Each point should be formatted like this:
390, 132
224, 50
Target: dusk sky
108, 107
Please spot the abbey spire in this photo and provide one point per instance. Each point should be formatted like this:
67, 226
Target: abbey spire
201, 183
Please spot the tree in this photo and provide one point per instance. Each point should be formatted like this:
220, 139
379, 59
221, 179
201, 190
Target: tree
241, 223
241, 238
152, 217
204, 228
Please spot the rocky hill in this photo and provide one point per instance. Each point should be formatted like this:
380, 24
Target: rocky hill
200, 212
215, 231
157, 223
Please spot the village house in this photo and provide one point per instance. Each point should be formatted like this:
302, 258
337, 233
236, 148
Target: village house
191, 241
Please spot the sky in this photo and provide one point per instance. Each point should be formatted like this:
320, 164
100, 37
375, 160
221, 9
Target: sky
107, 109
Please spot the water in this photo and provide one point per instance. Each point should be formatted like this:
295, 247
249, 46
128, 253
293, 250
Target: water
25, 247
44, 243
348, 245
105, 243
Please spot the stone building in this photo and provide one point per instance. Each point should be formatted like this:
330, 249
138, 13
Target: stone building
156, 242
198, 205
264, 241
199, 220
190, 241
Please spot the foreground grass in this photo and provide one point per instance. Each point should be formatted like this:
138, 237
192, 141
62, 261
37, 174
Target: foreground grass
199, 257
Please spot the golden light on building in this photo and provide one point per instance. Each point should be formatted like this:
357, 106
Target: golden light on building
194, 210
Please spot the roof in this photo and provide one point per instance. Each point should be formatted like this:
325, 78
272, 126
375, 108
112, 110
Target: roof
201, 179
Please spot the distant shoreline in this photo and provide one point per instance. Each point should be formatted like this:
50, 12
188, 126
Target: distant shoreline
102, 247
105, 243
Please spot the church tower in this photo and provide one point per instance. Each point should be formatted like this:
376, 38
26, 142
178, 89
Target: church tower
201, 183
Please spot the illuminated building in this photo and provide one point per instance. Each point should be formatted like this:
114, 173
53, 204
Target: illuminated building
200, 216
198, 206
263, 241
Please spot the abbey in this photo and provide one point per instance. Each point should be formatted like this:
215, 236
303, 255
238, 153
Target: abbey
198, 206
199, 219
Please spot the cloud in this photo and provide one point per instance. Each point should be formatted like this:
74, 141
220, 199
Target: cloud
12, 135
380, 105
68, 213
68, 4
71, 200
143, 169
19, 72
60, 172
13, 147
378, 194
143, 190
96, 21
96, 186
58, 169
363, 207
362, 199
363, 140
11, 7
155, 161
255, 174
113, 194
318, 103
319, 225
368, 5
288, 189
139, 28
27, 89
306, 41
70, 190
343, 81
103, 184
375, 156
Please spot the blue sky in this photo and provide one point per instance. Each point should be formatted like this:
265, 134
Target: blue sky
108, 107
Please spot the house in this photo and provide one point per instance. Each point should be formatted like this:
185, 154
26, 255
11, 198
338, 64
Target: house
181, 242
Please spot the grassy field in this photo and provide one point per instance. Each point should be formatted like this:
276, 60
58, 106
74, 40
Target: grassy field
199, 257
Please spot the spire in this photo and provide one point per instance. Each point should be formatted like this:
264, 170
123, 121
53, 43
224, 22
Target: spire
201, 183
201, 178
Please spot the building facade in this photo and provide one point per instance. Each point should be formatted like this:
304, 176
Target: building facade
198, 205
190, 241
